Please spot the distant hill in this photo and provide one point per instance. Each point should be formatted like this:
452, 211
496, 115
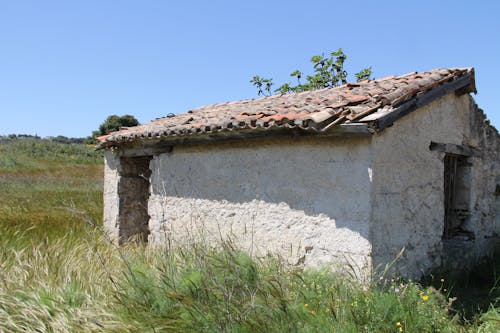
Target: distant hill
22, 152
59, 138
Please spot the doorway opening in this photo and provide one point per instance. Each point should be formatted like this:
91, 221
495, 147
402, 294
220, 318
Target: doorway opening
457, 189
133, 191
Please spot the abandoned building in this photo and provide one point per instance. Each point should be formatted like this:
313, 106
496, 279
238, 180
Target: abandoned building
355, 173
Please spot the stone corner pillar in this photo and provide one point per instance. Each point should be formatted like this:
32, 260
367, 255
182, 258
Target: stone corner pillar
111, 218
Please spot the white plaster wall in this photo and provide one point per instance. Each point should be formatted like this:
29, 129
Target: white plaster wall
276, 196
408, 205
110, 193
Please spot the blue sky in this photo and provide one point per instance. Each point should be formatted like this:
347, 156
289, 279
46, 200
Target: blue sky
66, 65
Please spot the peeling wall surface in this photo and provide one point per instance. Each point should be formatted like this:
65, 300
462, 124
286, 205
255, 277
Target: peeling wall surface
484, 221
321, 200
408, 188
305, 199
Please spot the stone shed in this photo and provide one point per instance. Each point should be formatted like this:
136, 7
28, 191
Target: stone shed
354, 173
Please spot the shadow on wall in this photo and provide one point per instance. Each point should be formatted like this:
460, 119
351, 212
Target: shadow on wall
324, 176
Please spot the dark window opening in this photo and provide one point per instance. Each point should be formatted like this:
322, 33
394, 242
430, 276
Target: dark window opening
133, 191
457, 183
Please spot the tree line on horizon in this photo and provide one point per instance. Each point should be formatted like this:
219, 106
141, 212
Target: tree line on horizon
111, 124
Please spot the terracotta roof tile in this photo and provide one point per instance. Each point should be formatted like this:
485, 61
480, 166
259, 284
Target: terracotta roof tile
306, 110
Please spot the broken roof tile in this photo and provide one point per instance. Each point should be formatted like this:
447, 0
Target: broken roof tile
309, 109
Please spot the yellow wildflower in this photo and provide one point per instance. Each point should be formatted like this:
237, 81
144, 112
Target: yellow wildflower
425, 298
306, 305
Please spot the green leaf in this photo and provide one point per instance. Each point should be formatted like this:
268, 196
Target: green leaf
316, 59
284, 89
363, 74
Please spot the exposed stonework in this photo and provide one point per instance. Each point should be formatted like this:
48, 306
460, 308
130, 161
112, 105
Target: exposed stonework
126, 187
133, 190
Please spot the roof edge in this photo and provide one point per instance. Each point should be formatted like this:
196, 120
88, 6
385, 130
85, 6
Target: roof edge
343, 130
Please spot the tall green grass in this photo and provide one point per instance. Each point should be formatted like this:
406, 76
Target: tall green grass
82, 283
58, 273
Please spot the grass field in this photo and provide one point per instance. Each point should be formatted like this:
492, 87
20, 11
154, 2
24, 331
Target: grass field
46, 185
59, 274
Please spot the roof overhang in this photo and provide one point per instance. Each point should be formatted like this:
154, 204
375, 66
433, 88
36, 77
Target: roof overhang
164, 144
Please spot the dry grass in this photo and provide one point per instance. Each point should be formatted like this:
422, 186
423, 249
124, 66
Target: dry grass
59, 274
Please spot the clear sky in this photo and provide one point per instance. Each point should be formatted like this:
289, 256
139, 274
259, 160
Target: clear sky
66, 65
